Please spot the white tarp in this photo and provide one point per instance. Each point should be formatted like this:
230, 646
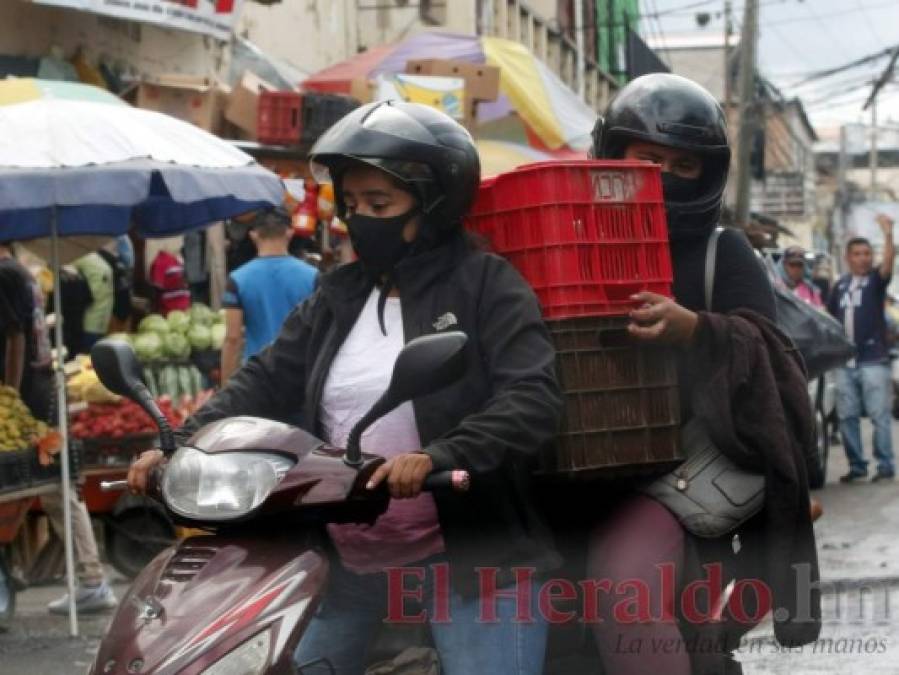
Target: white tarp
213, 17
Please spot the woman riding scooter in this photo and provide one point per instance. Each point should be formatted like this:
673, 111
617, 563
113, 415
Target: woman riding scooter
673, 122
404, 176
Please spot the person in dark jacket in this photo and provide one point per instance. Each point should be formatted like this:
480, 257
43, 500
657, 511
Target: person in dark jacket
404, 176
673, 122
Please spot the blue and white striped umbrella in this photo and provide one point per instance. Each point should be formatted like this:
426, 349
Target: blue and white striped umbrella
82, 164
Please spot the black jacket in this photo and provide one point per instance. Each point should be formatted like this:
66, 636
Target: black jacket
754, 400
492, 422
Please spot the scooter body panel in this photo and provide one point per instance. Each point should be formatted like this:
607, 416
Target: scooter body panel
201, 599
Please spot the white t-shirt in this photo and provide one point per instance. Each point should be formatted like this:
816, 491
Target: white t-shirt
409, 531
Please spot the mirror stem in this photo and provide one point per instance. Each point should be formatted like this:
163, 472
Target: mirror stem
353, 454
166, 435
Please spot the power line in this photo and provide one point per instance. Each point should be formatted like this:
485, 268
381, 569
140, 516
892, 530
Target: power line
867, 19
780, 36
846, 66
823, 25
883, 79
802, 19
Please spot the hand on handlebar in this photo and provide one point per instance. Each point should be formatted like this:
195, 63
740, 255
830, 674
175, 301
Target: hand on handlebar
405, 474
139, 471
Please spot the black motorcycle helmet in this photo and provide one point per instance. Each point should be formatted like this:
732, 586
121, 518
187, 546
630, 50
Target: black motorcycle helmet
423, 148
676, 112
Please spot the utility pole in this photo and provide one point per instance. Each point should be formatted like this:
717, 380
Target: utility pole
748, 39
728, 27
579, 42
885, 77
873, 153
842, 205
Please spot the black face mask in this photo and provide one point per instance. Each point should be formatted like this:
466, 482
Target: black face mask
679, 190
379, 242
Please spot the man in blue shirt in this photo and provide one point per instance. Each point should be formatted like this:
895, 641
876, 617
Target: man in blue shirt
261, 293
865, 383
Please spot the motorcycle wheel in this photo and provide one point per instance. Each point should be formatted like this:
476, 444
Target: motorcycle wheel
136, 536
818, 476
7, 594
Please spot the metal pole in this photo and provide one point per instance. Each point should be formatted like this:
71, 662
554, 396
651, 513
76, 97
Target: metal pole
727, 31
579, 42
842, 206
62, 422
873, 153
610, 37
747, 109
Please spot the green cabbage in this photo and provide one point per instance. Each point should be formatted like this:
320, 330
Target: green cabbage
176, 346
154, 323
148, 346
178, 321
218, 335
201, 314
200, 337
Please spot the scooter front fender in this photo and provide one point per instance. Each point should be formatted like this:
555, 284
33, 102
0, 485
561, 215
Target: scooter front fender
199, 600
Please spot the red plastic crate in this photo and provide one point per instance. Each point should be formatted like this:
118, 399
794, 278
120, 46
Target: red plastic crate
586, 235
279, 117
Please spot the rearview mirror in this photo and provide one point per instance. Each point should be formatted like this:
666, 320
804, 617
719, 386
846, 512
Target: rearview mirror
117, 367
119, 370
425, 365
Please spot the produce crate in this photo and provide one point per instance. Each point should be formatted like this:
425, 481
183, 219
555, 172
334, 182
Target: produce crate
279, 117
116, 451
41, 474
622, 413
320, 112
586, 235
15, 470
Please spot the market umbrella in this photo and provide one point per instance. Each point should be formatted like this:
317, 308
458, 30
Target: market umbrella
534, 106
77, 164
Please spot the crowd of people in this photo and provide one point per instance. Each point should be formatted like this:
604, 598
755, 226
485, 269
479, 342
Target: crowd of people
98, 299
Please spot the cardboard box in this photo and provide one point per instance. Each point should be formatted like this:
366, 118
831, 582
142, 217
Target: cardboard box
243, 103
481, 80
362, 89
198, 100
446, 94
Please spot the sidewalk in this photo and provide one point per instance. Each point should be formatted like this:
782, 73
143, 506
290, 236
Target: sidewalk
38, 642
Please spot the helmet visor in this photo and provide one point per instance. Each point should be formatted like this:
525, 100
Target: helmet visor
411, 173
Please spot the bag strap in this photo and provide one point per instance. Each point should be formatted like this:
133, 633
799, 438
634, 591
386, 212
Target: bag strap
711, 258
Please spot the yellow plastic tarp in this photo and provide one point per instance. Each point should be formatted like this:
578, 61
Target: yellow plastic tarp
520, 81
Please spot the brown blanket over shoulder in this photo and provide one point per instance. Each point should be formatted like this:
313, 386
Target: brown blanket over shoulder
752, 393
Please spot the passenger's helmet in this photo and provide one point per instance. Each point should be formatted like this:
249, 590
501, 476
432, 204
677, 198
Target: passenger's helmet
422, 147
673, 111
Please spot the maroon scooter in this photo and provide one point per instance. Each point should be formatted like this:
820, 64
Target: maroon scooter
236, 601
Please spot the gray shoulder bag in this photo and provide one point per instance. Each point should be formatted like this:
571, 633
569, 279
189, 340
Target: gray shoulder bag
709, 493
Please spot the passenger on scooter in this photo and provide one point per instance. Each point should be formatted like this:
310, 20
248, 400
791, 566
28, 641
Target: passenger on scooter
675, 123
404, 177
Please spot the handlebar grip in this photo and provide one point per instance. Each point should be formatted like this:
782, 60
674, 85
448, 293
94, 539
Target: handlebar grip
113, 485
455, 480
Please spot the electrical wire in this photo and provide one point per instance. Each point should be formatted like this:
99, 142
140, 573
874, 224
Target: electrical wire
870, 25
846, 66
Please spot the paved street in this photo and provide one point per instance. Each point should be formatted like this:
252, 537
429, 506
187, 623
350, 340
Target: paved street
857, 543
857, 546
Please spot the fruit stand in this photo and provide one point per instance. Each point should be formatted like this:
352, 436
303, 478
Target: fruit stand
27, 470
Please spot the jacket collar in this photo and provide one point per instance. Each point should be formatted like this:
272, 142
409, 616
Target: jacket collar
413, 275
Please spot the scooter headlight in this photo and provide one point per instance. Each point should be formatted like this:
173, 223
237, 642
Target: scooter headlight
221, 486
250, 658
